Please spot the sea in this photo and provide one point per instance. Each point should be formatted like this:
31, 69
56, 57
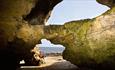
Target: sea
52, 49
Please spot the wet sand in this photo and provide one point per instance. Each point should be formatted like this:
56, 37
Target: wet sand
52, 63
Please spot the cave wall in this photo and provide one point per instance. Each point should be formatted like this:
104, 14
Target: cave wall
41, 12
109, 3
90, 42
18, 33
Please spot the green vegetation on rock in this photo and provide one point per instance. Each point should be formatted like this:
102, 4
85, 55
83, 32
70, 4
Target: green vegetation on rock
89, 42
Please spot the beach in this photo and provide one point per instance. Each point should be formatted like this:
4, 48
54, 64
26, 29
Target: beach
52, 63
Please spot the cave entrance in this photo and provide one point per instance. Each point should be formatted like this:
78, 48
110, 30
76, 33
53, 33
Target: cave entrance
49, 48
52, 57
52, 54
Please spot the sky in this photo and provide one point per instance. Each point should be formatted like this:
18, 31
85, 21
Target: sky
47, 47
47, 43
69, 10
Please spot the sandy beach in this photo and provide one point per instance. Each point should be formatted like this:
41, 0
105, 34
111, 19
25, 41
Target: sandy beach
52, 63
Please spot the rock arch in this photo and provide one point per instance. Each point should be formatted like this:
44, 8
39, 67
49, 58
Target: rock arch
89, 42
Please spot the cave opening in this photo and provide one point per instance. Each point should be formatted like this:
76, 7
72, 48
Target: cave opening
48, 47
52, 57
75, 10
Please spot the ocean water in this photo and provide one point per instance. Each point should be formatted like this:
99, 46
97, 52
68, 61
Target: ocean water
52, 49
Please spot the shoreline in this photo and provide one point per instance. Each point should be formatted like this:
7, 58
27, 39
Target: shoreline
52, 63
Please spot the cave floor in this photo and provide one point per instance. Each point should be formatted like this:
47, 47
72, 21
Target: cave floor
52, 63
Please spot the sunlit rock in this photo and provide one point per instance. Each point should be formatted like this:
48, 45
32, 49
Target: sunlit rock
89, 43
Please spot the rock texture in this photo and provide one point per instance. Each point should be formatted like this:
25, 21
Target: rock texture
109, 3
18, 35
41, 12
90, 42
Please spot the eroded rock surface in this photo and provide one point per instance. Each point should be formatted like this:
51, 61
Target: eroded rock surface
109, 3
18, 35
89, 43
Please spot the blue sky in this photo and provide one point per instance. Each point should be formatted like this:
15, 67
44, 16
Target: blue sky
69, 10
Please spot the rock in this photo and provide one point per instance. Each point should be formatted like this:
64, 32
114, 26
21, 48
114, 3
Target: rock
89, 43
38, 57
109, 3
18, 35
41, 12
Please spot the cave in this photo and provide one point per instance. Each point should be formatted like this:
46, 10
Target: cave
89, 43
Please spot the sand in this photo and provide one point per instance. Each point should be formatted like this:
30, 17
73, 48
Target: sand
52, 63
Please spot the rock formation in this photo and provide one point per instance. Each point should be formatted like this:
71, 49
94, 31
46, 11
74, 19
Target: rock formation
90, 42
109, 3
21, 28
